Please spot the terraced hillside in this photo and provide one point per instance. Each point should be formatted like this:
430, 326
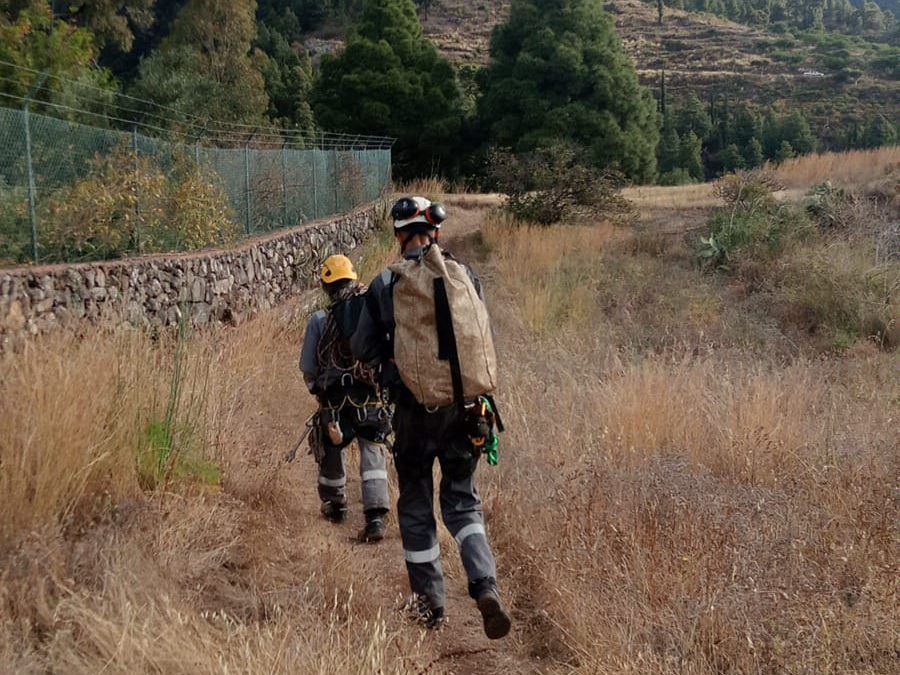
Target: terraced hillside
701, 54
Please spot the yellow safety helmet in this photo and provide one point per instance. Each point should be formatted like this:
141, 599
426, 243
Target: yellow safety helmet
337, 268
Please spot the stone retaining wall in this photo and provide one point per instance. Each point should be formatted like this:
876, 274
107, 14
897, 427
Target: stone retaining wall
217, 285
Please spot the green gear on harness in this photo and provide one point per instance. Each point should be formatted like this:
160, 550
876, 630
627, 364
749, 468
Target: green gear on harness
492, 450
492, 443
481, 419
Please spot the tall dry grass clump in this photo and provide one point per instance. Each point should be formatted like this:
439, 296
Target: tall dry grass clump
432, 188
70, 426
856, 167
550, 268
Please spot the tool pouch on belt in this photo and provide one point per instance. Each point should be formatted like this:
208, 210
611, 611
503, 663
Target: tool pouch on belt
317, 438
480, 418
460, 458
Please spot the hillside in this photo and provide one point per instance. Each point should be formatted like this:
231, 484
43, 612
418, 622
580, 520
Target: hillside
702, 54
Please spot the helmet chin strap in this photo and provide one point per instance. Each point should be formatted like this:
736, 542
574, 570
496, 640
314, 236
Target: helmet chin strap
432, 239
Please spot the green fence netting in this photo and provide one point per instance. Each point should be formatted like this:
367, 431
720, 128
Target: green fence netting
71, 192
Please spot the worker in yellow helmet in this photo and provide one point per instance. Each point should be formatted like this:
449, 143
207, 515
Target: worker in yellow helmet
350, 406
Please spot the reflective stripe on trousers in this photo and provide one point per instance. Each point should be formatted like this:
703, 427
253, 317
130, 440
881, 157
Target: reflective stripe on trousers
422, 557
373, 474
461, 512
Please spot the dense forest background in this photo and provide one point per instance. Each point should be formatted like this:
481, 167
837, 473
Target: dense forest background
557, 75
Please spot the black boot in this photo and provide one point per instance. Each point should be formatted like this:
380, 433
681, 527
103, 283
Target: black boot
496, 619
374, 529
420, 610
334, 511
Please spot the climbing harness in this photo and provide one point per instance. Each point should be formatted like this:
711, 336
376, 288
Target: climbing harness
334, 354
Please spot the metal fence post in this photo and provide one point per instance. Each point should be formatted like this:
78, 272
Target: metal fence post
32, 209
367, 178
284, 184
137, 193
247, 185
315, 158
334, 179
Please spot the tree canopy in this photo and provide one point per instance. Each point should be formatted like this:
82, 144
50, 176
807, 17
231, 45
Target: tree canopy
559, 74
206, 65
391, 80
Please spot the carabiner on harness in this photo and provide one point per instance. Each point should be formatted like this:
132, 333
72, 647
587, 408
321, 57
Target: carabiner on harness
480, 420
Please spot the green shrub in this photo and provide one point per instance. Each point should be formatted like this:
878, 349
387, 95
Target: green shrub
752, 223
171, 450
551, 185
830, 206
126, 206
15, 231
677, 176
787, 57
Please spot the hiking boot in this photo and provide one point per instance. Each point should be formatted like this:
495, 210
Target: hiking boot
334, 511
496, 619
373, 531
420, 610
434, 620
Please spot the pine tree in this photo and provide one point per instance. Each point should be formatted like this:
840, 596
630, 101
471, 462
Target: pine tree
206, 66
746, 126
663, 94
669, 148
753, 153
391, 80
785, 152
690, 156
559, 74
693, 116
732, 159
878, 132
288, 76
795, 129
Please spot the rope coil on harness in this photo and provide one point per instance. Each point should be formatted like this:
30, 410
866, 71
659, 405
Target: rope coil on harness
333, 353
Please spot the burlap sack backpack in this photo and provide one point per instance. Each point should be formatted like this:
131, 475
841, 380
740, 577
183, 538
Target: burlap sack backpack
443, 346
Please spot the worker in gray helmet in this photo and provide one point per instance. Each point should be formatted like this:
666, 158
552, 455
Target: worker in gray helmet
418, 320
350, 405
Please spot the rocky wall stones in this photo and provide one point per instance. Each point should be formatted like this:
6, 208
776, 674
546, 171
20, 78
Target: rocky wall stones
220, 285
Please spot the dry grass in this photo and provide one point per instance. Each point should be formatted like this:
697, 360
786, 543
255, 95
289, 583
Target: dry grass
701, 195
431, 188
99, 577
540, 263
854, 168
695, 508
680, 491
90, 416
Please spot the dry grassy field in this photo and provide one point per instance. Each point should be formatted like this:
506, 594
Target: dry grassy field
693, 480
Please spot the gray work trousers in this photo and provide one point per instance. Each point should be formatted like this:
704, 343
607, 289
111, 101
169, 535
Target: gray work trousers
364, 425
420, 437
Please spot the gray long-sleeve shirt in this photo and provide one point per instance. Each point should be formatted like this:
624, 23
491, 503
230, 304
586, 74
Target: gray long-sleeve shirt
309, 356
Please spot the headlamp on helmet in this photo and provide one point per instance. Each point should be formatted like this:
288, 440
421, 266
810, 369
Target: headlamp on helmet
417, 211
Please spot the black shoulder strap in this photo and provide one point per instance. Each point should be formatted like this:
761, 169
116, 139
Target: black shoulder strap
447, 350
